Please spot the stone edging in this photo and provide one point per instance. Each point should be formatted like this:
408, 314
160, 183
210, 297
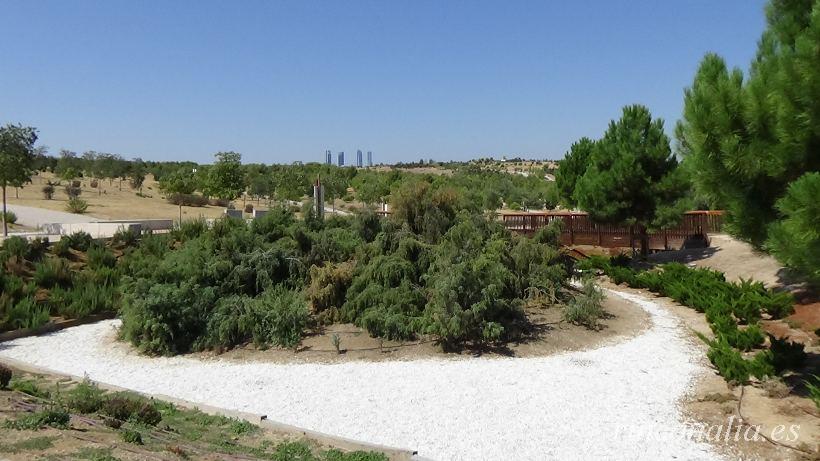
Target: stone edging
53, 326
395, 454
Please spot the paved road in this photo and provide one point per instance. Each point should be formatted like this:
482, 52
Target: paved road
34, 217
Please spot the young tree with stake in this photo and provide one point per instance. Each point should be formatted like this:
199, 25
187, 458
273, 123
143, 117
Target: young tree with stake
181, 182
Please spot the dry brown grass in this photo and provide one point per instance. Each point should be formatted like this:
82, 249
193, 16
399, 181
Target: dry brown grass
109, 202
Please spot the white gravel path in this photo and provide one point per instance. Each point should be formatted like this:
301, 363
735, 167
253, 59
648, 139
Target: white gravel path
615, 402
34, 217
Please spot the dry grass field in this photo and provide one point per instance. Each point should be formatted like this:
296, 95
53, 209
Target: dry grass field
111, 200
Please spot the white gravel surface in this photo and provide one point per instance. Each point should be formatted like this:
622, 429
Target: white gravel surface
34, 217
615, 402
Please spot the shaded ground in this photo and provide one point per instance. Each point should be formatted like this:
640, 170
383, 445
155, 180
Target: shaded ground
181, 434
550, 336
734, 258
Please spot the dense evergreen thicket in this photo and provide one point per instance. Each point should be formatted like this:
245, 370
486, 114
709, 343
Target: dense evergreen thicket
72, 278
434, 268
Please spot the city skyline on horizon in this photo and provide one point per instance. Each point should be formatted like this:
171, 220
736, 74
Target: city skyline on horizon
189, 79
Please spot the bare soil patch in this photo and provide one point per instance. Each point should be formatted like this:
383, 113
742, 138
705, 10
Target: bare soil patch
550, 336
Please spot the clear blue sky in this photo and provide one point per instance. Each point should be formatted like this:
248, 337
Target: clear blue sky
280, 81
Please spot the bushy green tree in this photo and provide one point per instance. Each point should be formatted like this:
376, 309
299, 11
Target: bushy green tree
181, 182
16, 160
571, 168
137, 174
749, 139
427, 210
795, 239
631, 175
473, 288
225, 178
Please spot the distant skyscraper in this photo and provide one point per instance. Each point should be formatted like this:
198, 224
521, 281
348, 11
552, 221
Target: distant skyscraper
341, 158
369, 158
359, 158
328, 157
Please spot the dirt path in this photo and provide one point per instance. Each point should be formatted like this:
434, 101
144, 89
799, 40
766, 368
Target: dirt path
734, 258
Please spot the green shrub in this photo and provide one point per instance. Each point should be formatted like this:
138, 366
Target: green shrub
48, 191
778, 304
14, 288
585, 308
99, 256
190, 229
336, 455
786, 355
53, 417
280, 317
131, 436
333, 246
594, 263
235, 282
88, 297
30, 387
76, 205
62, 247
106, 276
73, 190
794, 239
126, 237
27, 313
15, 246
5, 376
728, 361
725, 304
367, 225
11, 218
165, 318
80, 240
287, 451
37, 249
242, 427
813, 385
274, 225
474, 293
120, 407
52, 272
620, 275
328, 286
85, 397
147, 414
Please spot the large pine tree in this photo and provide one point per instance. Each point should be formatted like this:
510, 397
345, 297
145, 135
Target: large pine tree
746, 140
571, 168
632, 177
